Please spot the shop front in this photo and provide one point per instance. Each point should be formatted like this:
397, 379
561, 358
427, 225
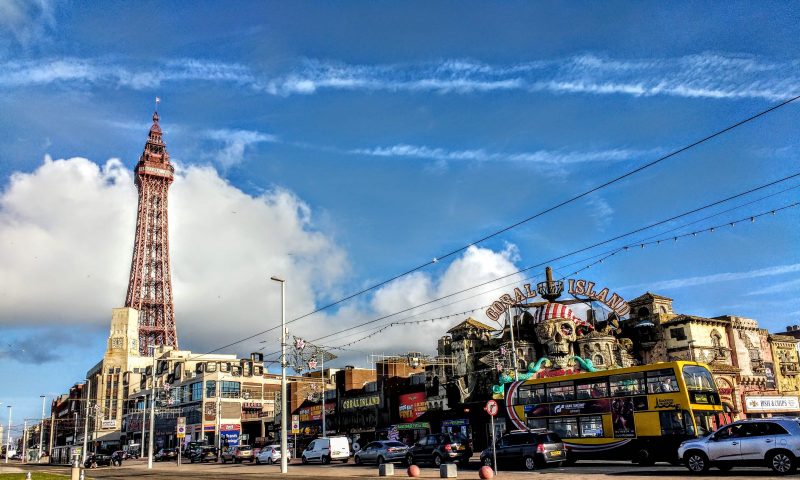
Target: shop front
761, 406
358, 417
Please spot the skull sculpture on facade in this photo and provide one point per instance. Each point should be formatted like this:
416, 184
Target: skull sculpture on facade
557, 336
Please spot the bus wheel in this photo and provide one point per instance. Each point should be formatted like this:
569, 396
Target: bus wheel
696, 462
645, 458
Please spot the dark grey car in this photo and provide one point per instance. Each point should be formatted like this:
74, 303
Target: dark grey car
381, 452
530, 449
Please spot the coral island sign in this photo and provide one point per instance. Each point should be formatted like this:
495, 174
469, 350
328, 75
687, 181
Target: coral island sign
577, 287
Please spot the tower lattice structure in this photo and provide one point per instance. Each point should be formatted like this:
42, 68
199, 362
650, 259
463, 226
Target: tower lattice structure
150, 284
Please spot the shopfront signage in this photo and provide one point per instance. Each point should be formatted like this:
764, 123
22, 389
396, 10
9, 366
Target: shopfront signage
314, 412
251, 406
412, 405
577, 287
455, 423
109, 424
771, 404
359, 402
413, 426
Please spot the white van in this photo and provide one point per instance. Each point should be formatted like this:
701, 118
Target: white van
326, 449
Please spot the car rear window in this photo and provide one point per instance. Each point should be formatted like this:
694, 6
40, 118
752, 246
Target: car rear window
454, 438
394, 444
245, 447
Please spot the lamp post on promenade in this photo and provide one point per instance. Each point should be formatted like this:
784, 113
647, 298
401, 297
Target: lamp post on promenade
284, 443
8, 443
152, 414
41, 431
86, 419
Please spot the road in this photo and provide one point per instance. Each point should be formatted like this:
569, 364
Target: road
586, 470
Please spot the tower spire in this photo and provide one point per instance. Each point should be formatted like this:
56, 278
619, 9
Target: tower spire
150, 282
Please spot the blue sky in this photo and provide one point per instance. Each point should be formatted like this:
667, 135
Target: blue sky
342, 143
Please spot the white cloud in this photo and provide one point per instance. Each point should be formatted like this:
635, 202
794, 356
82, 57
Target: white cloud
553, 158
66, 231
782, 287
706, 75
716, 278
26, 20
235, 142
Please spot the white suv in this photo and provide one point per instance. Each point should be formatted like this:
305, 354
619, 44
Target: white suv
771, 442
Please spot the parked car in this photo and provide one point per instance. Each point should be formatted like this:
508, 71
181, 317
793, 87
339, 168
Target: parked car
238, 454
440, 448
272, 454
327, 449
381, 452
771, 442
96, 460
166, 454
202, 453
527, 448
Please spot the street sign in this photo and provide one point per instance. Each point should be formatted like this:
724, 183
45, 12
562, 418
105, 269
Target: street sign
295, 424
491, 407
181, 427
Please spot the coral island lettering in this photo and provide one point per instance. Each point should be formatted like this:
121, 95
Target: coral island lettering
577, 287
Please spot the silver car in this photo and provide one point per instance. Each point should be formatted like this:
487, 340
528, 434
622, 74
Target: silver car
381, 452
771, 442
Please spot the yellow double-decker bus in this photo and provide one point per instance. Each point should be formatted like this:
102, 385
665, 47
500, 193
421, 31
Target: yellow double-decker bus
638, 413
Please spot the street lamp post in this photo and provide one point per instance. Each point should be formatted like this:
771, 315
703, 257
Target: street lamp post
8, 444
144, 422
41, 431
152, 414
284, 443
75, 430
86, 420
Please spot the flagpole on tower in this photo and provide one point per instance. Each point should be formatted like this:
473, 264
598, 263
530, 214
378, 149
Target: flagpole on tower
158, 100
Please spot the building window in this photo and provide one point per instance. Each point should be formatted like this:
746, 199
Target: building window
211, 388
230, 389
643, 312
677, 333
197, 391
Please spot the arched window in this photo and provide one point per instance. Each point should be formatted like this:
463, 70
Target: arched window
643, 312
598, 360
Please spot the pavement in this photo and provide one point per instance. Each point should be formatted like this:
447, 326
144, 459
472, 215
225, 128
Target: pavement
584, 470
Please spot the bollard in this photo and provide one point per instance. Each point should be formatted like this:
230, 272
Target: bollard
386, 470
28, 476
486, 472
448, 470
413, 471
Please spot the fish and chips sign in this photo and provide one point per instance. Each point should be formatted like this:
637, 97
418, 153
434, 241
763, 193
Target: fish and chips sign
577, 287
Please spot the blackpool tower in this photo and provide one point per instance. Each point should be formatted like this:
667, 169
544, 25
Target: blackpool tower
150, 283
